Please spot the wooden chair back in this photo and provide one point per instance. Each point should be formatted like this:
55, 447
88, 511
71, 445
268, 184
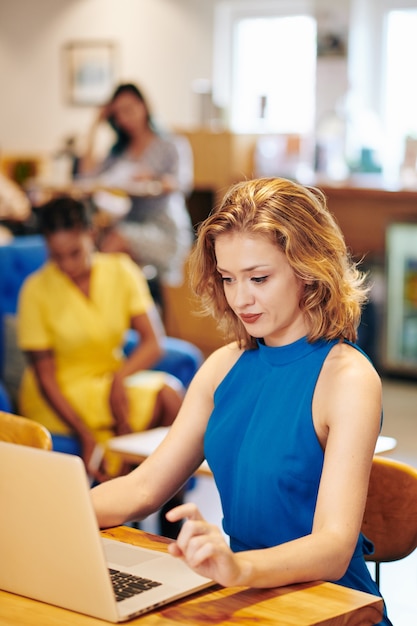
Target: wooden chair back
390, 519
24, 431
181, 318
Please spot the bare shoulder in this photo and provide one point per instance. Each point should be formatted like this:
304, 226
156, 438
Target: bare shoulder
348, 378
348, 365
219, 363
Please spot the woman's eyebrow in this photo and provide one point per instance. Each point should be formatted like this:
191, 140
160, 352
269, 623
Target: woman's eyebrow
246, 269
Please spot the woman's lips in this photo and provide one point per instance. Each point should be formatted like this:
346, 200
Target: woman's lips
250, 319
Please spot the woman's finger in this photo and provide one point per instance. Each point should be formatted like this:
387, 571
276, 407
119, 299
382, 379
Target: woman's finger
187, 510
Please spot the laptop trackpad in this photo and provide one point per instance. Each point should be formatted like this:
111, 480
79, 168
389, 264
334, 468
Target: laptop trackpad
125, 555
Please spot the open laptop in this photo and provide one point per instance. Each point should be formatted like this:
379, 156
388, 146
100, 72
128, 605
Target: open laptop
51, 548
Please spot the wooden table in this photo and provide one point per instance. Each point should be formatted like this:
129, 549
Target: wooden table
318, 604
136, 447
385, 444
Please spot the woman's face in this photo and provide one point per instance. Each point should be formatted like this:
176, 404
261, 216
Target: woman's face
129, 113
71, 251
261, 287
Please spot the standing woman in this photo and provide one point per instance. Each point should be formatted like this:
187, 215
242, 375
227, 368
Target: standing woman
157, 230
72, 317
287, 415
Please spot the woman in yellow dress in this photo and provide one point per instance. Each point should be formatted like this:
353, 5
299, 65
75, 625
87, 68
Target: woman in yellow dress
72, 318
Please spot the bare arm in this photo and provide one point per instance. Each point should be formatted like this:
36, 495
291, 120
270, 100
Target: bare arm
347, 411
155, 481
145, 355
43, 363
151, 331
88, 162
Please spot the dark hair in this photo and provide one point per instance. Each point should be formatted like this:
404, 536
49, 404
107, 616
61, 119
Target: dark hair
63, 213
123, 138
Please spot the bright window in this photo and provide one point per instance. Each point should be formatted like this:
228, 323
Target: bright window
273, 74
400, 93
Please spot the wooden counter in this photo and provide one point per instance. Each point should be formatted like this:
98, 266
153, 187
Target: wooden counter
364, 214
361, 206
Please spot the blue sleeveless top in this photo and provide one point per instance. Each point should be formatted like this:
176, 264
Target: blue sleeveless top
263, 450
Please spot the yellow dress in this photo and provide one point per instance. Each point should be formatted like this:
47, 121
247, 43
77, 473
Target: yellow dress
86, 336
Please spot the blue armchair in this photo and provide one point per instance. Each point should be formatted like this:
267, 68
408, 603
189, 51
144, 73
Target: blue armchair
5, 403
19, 258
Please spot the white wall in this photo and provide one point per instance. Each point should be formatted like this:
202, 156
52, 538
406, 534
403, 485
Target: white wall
164, 46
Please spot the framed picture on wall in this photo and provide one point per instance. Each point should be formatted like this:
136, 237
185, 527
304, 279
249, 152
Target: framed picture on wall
331, 44
90, 72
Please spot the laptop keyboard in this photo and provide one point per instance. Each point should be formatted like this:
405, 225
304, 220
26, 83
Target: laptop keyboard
127, 585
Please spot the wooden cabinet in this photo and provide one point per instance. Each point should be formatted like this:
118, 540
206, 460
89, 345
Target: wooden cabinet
220, 158
182, 318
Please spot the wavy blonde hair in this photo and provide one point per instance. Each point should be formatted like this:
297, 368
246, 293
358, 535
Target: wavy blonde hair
297, 220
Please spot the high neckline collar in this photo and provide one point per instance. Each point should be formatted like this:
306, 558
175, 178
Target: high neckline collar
282, 355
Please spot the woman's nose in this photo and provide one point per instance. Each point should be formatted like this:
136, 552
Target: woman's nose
242, 295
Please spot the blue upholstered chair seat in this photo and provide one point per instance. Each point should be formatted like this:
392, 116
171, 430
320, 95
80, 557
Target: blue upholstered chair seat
5, 403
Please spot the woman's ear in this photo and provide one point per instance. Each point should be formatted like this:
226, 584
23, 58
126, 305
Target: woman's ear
308, 282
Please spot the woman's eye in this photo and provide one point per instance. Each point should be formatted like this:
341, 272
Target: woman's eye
226, 279
259, 279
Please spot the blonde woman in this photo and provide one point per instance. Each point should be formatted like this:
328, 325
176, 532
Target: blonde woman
287, 414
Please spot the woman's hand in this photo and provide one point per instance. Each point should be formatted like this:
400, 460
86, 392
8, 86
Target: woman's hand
95, 469
88, 162
119, 405
202, 546
88, 445
104, 113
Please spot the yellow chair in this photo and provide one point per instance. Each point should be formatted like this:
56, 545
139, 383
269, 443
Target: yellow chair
24, 431
390, 519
